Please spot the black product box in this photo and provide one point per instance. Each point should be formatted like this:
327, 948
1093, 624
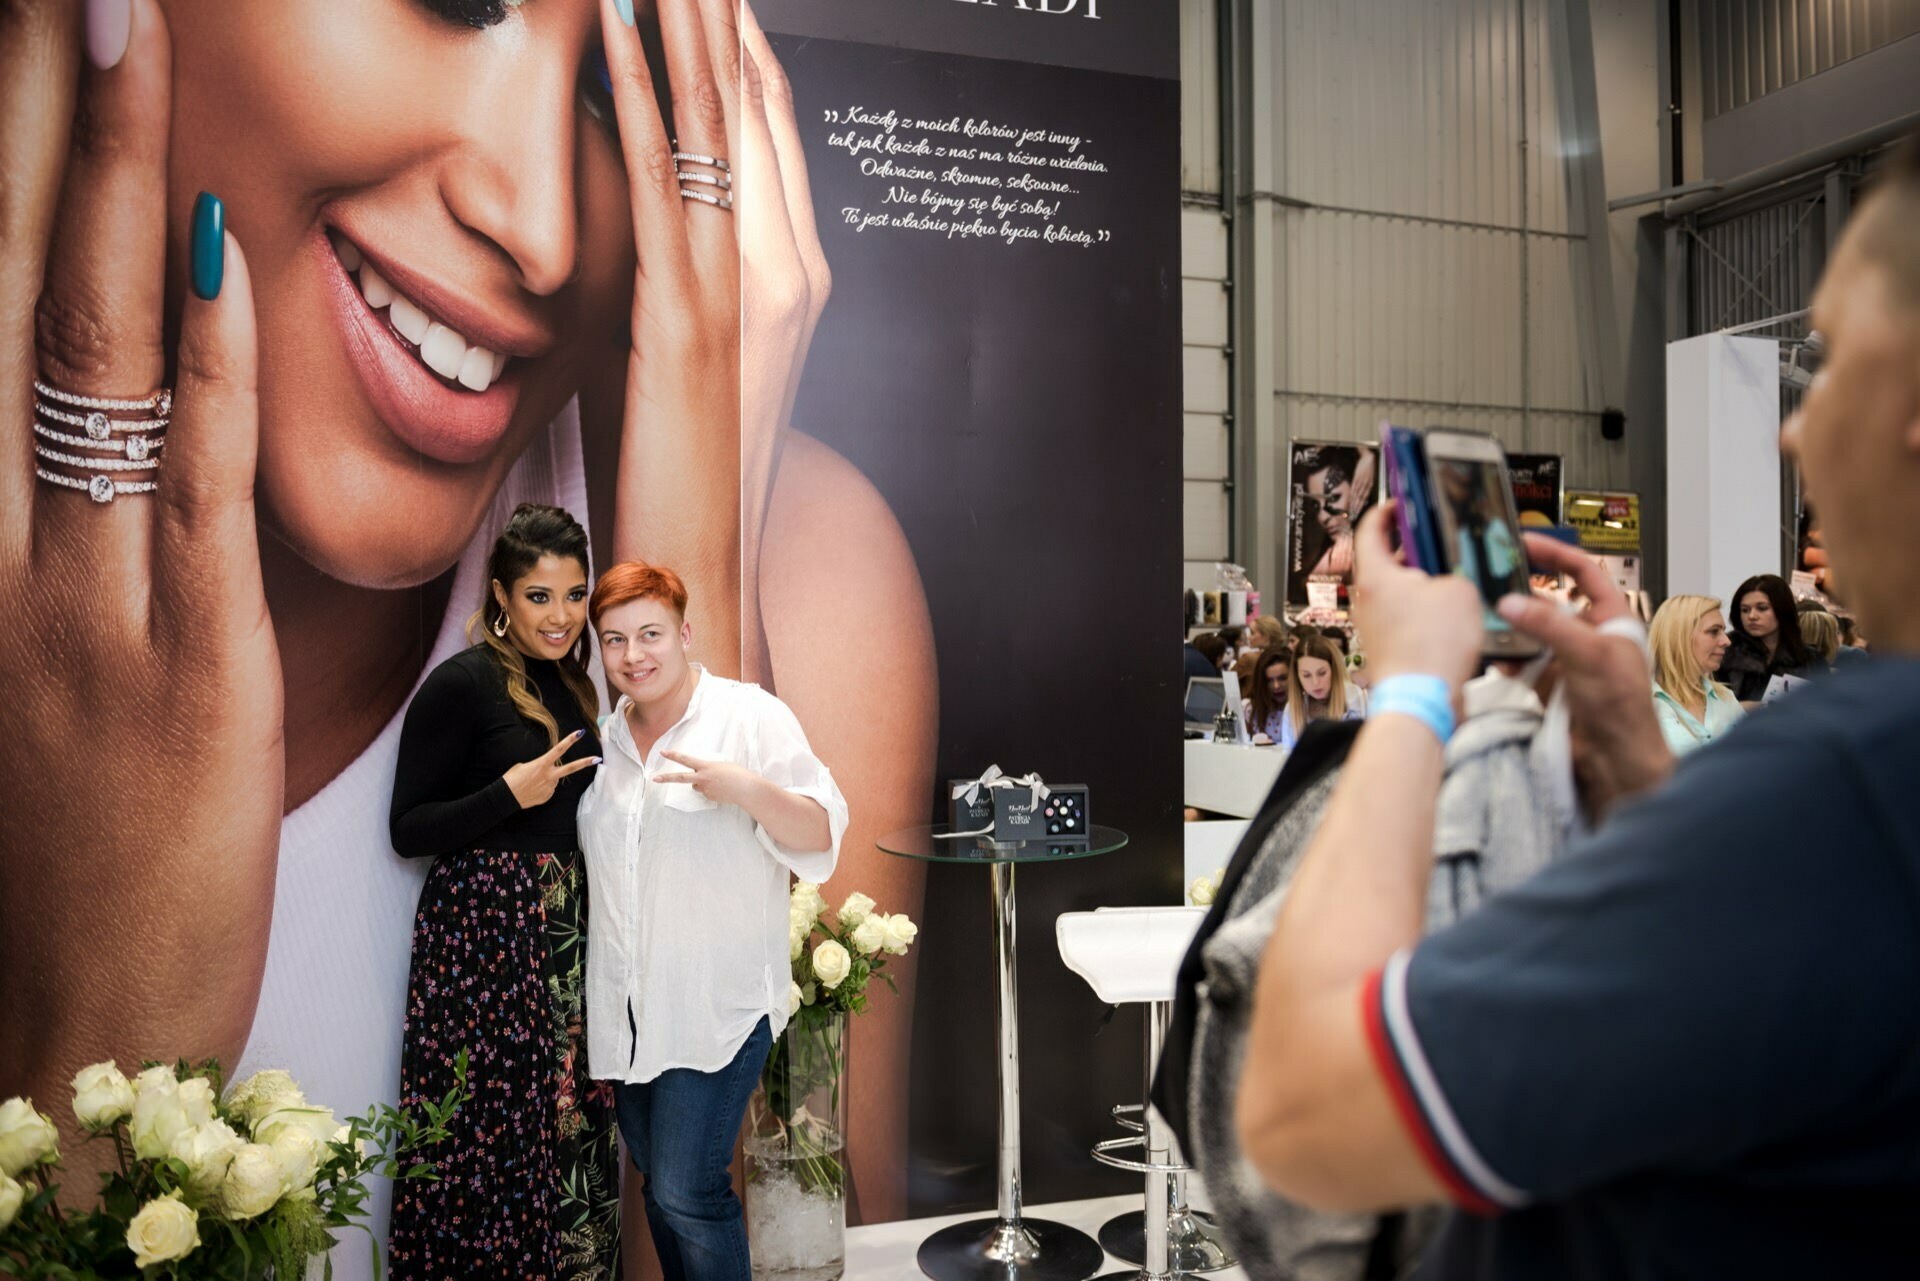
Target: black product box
970, 816
1018, 817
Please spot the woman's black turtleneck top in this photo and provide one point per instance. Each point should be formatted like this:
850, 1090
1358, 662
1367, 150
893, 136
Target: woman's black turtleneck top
461, 735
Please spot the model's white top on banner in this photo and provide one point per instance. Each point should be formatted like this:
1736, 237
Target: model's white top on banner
687, 898
335, 990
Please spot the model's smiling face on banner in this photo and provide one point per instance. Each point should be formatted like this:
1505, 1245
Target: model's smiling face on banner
643, 647
469, 167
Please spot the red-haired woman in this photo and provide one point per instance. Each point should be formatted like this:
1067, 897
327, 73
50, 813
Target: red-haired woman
709, 797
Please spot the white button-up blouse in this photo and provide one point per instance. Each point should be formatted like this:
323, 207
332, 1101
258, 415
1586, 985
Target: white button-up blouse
687, 898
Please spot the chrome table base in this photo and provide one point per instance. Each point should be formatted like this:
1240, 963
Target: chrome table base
996, 1250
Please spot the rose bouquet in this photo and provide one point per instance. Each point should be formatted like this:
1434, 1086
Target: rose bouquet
835, 956
250, 1186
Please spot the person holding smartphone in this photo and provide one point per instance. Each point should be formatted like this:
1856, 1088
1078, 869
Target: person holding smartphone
1684, 1049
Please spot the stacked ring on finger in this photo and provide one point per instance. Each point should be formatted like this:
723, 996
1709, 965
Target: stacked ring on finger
693, 178
110, 444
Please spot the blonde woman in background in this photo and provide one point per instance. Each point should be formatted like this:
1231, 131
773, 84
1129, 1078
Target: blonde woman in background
1821, 631
1689, 638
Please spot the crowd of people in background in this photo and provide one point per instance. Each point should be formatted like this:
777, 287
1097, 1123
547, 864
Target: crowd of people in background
1709, 669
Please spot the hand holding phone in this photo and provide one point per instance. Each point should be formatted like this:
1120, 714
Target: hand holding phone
1456, 514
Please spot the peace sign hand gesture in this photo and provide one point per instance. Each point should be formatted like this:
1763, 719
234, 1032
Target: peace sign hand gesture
532, 782
722, 782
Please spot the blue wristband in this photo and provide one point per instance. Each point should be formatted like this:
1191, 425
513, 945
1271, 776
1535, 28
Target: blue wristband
1428, 699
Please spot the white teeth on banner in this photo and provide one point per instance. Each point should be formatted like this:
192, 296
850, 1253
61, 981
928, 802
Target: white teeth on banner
443, 350
409, 320
476, 369
378, 292
439, 347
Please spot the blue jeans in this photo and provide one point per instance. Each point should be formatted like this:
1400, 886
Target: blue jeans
680, 1129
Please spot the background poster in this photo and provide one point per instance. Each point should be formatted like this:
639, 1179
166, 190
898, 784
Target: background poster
1608, 520
1331, 487
997, 193
1537, 482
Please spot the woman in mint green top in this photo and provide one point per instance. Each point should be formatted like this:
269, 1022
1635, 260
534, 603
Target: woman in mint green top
1689, 638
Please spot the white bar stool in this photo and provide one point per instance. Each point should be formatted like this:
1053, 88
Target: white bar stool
1131, 956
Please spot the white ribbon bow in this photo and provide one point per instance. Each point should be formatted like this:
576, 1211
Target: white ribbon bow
992, 781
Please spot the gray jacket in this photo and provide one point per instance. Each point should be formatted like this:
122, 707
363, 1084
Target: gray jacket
1500, 817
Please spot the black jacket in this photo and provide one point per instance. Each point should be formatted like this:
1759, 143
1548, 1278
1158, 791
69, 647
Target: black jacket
1746, 671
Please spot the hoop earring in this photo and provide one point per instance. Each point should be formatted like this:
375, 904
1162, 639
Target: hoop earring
500, 626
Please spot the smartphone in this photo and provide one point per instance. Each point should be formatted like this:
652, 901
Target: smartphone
1470, 494
1403, 459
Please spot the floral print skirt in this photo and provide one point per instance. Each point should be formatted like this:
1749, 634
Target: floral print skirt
529, 1182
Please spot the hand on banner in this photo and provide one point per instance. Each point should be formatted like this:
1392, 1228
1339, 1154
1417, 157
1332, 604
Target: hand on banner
142, 765
532, 782
1618, 751
725, 301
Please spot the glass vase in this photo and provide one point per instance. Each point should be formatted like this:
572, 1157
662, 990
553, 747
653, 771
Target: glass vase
796, 1146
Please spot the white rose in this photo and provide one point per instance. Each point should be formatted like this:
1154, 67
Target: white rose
793, 999
901, 932
197, 1100
158, 1077
796, 944
26, 1138
343, 1134
856, 909
299, 1154
101, 1095
265, 1092
159, 1116
164, 1230
11, 1197
870, 935
253, 1182
806, 897
1200, 893
207, 1150
831, 964
318, 1122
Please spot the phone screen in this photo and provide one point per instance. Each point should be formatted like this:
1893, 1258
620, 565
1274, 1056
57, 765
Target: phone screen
1483, 542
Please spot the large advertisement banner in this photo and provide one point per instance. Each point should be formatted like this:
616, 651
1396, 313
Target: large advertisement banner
1331, 486
996, 189
417, 280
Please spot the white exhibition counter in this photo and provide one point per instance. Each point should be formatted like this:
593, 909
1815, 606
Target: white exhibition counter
1229, 779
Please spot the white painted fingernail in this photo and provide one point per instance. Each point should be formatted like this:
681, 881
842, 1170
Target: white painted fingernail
109, 27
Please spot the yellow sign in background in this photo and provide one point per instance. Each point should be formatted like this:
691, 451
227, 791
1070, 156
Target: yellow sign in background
1608, 520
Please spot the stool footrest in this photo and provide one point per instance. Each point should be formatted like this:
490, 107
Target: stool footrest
1103, 1153
1123, 1111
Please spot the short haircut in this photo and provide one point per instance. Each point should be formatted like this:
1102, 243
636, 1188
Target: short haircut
633, 580
1885, 231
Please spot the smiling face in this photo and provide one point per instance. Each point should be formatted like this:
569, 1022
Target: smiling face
1316, 678
643, 647
464, 173
546, 608
1756, 616
1710, 640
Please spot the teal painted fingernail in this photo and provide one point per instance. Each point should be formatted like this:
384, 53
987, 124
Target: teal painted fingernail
625, 9
209, 245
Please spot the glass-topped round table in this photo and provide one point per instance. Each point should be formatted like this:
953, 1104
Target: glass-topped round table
1008, 1247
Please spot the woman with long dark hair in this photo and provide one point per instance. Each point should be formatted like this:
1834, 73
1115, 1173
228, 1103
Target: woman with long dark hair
498, 746
1766, 639
1265, 704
